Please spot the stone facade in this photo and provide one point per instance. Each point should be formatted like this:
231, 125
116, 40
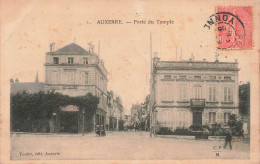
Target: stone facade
115, 112
74, 71
194, 92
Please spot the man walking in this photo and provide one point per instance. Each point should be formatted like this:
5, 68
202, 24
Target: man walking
228, 139
98, 130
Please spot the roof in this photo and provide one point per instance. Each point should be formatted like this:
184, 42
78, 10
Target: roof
30, 87
71, 49
197, 65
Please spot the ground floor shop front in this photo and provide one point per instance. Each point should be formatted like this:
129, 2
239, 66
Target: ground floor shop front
73, 120
176, 117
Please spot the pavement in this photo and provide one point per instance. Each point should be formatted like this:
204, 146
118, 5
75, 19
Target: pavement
119, 146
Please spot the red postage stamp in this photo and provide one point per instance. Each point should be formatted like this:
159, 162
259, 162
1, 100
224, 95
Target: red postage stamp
234, 27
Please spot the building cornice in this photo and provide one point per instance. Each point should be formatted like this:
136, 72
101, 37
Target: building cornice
176, 106
78, 65
75, 86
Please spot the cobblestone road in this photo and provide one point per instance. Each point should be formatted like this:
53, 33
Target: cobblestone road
119, 145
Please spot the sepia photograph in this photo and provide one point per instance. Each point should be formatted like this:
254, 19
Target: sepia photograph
129, 81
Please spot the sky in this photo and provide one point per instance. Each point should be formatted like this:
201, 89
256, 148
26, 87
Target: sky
29, 26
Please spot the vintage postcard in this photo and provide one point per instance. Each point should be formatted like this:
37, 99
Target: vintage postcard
115, 81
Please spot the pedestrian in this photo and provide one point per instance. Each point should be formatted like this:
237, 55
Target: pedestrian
106, 126
228, 139
98, 130
102, 131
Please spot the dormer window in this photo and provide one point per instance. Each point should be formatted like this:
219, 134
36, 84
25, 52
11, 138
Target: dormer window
85, 60
212, 77
56, 60
70, 60
197, 77
167, 76
227, 78
183, 77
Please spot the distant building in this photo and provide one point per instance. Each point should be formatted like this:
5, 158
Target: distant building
30, 87
195, 92
115, 111
135, 108
74, 71
134, 111
127, 118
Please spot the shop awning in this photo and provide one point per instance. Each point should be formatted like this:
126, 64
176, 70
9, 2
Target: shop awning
70, 108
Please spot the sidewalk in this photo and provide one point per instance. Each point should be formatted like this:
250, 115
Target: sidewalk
52, 134
89, 134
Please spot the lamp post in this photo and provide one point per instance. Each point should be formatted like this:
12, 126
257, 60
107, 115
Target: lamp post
83, 123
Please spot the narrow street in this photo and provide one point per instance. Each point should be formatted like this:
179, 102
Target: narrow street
119, 146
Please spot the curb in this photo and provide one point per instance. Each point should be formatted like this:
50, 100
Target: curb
177, 137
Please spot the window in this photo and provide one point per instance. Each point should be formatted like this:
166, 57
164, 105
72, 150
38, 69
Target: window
182, 119
212, 93
183, 93
167, 118
197, 91
197, 77
227, 78
212, 77
212, 117
85, 60
84, 78
167, 76
228, 94
167, 92
55, 60
70, 77
70, 60
226, 117
97, 80
182, 77
54, 77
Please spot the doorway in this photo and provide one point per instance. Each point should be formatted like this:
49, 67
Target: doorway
197, 118
69, 122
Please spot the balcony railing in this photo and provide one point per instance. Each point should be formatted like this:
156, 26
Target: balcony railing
198, 65
197, 102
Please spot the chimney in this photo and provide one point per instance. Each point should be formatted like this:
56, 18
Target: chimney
52, 45
11, 80
155, 60
17, 80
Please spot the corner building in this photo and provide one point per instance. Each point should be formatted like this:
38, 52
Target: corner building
73, 71
195, 92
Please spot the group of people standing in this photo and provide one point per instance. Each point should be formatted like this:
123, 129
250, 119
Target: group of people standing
100, 131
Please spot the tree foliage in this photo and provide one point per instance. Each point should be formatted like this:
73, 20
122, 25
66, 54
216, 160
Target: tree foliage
235, 125
244, 99
41, 105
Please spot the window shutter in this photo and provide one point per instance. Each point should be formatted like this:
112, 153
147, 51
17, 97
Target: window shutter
222, 116
207, 117
225, 93
218, 119
180, 93
185, 92
210, 93
214, 94
173, 118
